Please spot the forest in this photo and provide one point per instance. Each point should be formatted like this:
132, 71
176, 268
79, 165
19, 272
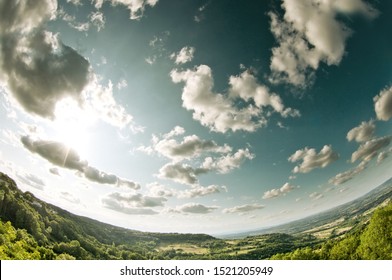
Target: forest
33, 229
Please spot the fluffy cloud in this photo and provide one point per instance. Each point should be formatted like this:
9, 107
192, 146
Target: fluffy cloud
369, 149
311, 159
132, 204
136, 7
227, 162
63, 156
362, 133
310, 33
246, 87
199, 191
218, 111
278, 192
192, 208
348, 175
383, 104
184, 55
190, 146
243, 208
181, 173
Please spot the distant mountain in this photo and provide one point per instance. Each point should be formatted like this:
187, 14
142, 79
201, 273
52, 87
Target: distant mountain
335, 221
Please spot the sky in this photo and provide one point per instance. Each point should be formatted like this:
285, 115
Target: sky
215, 116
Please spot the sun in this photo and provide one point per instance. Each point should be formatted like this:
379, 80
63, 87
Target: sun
72, 126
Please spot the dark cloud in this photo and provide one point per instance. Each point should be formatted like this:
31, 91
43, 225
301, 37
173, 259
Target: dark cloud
60, 155
40, 71
55, 152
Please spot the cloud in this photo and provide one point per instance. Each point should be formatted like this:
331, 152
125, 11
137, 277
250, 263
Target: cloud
31, 180
132, 204
383, 155
219, 112
136, 7
40, 72
383, 104
55, 152
156, 189
316, 196
199, 191
60, 155
192, 208
362, 133
190, 147
343, 177
184, 55
243, 208
286, 188
228, 162
54, 171
98, 20
311, 33
18, 16
69, 197
369, 149
180, 173
311, 159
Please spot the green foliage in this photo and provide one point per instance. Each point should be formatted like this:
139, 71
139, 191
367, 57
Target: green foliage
373, 242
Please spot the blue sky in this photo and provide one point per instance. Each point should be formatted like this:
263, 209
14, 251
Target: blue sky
196, 116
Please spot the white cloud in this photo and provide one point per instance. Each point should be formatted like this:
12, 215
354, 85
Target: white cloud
136, 7
310, 33
244, 208
184, 55
132, 204
97, 19
246, 87
383, 104
369, 149
316, 196
286, 188
218, 111
199, 191
190, 147
383, 155
348, 175
193, 208
362, 133
311, 159
180, 173
69, 197
31, 180
228, 162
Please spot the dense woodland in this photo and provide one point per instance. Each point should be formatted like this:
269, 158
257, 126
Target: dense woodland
33, 229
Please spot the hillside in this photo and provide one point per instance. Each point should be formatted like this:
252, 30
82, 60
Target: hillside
33, 229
